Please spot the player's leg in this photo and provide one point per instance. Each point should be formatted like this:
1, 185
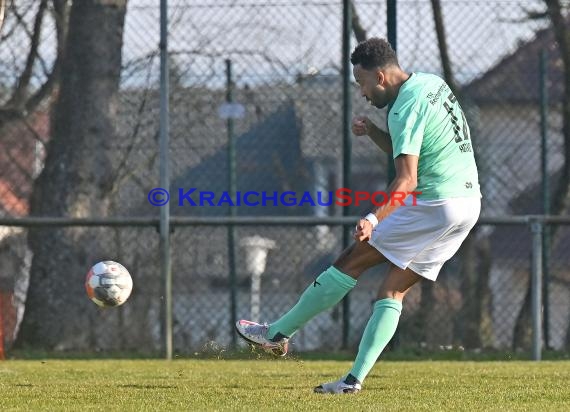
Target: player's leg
420, 239
384, 320
329, 287
325, 292
378, 331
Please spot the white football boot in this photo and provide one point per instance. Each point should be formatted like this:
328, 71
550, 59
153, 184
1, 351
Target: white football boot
338, 387
256, 334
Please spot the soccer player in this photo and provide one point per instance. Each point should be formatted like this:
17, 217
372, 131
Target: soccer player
428, 138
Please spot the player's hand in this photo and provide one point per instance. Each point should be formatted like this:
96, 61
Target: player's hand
360, 125
363, 230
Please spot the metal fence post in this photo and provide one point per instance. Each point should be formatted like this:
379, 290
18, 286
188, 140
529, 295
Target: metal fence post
165, 180
347, 147
392, 23
392, 26
545, 185
536, 226
232, 183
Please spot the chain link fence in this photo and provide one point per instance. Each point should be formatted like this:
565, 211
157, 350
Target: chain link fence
267, 77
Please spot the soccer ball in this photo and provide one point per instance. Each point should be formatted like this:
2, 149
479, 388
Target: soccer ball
108, 284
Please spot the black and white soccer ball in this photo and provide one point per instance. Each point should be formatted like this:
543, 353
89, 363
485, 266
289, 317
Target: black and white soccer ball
108, 284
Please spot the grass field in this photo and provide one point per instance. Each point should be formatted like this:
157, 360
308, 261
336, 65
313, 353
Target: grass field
260, 385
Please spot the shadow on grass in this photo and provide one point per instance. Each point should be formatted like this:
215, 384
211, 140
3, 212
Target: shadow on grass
416, 354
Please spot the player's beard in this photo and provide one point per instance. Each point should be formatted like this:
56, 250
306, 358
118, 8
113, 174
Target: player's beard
380, 104
379, 100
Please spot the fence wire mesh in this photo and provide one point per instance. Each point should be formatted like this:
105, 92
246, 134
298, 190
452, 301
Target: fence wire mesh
267, 76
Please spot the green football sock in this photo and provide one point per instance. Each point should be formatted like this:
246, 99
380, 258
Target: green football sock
377, 334
326, 291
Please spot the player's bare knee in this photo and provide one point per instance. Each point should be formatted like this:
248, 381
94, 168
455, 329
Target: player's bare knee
397, 283
358, 258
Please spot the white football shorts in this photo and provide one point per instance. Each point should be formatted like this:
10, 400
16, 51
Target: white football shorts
423, 237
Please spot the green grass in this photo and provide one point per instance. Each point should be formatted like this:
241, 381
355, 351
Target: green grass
280, 384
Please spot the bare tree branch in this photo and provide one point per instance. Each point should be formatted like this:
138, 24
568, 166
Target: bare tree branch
44, 91
442, 44
359, 31
121, 173
20, 17
21, 103
61, 17
21, 89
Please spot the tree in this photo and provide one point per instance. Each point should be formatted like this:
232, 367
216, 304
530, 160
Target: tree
77, 177
561, 201
474, 277
561, 195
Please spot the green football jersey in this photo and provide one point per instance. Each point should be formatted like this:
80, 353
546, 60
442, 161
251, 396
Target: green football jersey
426, 120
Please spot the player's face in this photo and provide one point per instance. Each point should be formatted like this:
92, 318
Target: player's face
371, 84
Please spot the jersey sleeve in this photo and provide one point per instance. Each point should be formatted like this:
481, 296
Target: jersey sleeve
407, 126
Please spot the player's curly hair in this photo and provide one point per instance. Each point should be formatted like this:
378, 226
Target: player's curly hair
372, 53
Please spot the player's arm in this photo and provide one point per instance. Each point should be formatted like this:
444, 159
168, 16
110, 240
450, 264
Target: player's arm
362, 125
406, 181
